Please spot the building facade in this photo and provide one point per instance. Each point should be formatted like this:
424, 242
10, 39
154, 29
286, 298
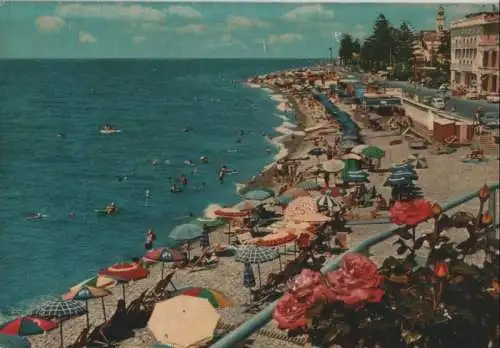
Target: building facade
475, 58
427, 44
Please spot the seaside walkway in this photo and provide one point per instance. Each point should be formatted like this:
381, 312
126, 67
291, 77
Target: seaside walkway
255, 323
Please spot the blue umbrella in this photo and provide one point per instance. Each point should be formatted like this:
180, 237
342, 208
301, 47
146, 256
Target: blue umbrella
248, 276
256, 255
258, 195
186, 232
285, 199
60, 310
10, 341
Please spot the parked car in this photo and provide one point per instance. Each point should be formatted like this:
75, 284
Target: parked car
438, 103
493, 98
472, 96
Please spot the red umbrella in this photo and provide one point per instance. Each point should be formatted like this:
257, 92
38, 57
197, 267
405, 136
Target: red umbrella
125, 272
230, 213
25, 326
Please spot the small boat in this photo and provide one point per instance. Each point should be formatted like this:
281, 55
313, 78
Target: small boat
104, 212
110, 131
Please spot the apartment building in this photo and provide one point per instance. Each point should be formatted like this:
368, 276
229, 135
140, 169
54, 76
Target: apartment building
475, 58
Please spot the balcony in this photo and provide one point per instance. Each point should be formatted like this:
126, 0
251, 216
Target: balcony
488, 40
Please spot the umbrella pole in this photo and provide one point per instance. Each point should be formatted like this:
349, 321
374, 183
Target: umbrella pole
103, 308
162, 269
258, 270
87, 312
279, 259
123, 292
61, 333
189, 250
229, 233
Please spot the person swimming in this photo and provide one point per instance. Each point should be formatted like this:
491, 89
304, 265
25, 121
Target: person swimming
183, 179
203, 159
221, 173
175, 189
111, 209
147, 194
35, 216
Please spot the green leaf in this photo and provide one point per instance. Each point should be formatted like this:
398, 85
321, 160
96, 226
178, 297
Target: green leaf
404, 233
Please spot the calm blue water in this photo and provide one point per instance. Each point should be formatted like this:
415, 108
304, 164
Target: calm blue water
151, 101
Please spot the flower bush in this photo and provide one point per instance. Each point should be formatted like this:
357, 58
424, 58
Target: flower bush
411, 212
439, 300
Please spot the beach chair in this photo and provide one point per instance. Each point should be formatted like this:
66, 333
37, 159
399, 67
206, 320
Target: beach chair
81, 340
101, 335
160, 290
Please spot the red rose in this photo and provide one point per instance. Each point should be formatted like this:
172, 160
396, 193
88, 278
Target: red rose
304, 283
290, 313
411, 212
356, 282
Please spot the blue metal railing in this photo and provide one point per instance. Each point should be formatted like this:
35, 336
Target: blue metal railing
262, 318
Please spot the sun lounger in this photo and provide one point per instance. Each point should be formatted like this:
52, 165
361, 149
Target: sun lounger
160, 290
99, 336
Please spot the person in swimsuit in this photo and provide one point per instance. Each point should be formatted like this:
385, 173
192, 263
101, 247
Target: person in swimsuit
222, 173
150, 239
184, 180
174, 188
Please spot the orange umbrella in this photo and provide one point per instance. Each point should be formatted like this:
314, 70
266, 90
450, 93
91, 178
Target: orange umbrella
230, 213
300, 206
125, 272
276, 239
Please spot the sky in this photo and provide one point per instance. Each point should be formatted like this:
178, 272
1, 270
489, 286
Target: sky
196, 30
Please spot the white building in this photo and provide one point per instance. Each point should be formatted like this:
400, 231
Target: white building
475, 52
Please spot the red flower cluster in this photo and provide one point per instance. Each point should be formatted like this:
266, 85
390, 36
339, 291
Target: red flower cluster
411, 212
354, 284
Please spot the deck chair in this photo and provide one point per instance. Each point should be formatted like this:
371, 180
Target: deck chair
100, 336
160, 290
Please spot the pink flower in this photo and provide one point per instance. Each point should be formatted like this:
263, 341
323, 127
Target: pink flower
411, 212
356, 282
290, 313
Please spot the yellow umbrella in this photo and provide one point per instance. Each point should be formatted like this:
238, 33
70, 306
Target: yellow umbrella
183, 321
96, 282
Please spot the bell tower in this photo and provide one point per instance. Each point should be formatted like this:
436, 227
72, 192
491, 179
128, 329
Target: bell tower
440, 21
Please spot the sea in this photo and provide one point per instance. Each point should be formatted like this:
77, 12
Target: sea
54, 160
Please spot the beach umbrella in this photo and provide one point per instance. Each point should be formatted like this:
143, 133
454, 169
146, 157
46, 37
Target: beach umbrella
186, 232
247, 205
256, 255
309, 185
284, 199
184, 321
216, 298
210, 222
59, 310
356, 176
96, 282
26, 326
317, 151
86, 293
417, 161
276, 239
405, 165
398, 181
300, 206
352, 156
333, 166
230, 213
373, 152
164, 255
125, 272
258, 195
330, 203
248, 276
9, 341
405, 174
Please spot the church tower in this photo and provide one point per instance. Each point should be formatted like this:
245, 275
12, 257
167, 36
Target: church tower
440, 21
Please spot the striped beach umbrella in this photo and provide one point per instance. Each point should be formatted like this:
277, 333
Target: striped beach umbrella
60, 310
248, 276
86, 293
329, 203
216, 298
400, 181
356, 176
97, 282
26, 326
164, 255
256, 255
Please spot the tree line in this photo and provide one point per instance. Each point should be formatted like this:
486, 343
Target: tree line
392, 47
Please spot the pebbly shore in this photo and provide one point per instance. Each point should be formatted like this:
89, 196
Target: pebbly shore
445, 178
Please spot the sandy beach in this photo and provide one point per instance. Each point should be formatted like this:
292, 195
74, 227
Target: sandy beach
446, 177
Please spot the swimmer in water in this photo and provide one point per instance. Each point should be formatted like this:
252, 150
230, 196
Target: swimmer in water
174, 189
221, 173
238, 141
242, 132
183, 179
204, 159
61, 135
147, 193
268, 150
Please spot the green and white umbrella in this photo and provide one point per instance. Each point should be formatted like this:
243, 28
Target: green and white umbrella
373, 152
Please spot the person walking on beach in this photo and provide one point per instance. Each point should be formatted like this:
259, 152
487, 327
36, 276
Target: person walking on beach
150, 239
